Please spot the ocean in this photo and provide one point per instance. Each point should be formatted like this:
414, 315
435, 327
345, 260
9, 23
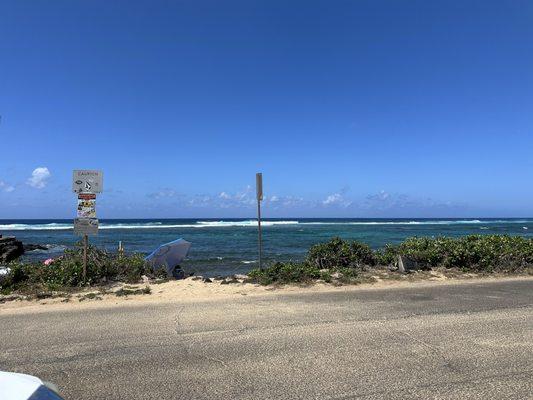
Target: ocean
222, 247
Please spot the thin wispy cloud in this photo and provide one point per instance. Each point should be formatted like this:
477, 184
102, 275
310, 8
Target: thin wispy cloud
5, 187
165, 193
339, 203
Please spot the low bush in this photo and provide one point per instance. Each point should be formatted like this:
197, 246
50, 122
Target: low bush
285, 273
470, 253
388, 255
132, 291
474, 253
338, 253
67, 271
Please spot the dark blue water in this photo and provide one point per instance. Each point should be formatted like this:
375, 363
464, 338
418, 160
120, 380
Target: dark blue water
230, 245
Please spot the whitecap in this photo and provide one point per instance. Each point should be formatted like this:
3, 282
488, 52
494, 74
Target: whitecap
253, 222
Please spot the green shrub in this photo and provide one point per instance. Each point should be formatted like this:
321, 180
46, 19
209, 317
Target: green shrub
67, 271
478, 253
362, 254
428, 252
132, 291
470, 253
338, 253
490, 253
16, 277
387, 255
285, 273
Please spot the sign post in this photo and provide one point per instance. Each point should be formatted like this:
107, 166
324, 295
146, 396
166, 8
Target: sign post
86, 183
259, 190
85, 245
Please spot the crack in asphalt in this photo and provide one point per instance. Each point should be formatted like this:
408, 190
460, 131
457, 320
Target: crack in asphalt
433, 349
187, 350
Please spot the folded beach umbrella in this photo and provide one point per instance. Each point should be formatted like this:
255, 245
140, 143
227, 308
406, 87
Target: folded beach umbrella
169, 255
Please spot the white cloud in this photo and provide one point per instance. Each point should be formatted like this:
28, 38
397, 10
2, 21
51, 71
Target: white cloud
163, 194
336, 199
200, 201
381, 196
224, 195
39, 177
5, 187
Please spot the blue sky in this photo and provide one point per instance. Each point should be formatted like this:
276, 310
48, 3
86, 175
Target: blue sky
349, 108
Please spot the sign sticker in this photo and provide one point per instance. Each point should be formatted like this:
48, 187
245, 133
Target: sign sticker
87, 181
86, 207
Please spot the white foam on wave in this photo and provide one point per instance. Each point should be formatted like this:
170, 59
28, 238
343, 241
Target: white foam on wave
252, 222
248, 223
35, 227
147, 225
428, 222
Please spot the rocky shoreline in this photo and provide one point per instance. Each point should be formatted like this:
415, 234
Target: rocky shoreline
11, 248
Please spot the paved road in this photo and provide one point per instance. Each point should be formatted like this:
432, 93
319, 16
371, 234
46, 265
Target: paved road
469, 341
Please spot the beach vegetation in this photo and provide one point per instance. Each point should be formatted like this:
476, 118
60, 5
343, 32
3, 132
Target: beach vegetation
474, 253
336, 257
339, 253
67, 271
128, 291
285, 272
336, 261
343, 261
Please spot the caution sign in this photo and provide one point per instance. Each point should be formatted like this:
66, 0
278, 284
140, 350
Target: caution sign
87, 181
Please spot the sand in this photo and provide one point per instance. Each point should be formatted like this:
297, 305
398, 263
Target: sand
189, 290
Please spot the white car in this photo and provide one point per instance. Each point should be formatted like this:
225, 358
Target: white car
15, 386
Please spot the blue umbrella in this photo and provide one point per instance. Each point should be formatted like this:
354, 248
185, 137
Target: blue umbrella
169, 255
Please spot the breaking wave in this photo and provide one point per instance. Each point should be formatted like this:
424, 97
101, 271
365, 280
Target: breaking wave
147, 225
246, 223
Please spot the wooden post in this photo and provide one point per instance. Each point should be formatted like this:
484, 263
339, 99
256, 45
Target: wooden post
85, 244
120, 249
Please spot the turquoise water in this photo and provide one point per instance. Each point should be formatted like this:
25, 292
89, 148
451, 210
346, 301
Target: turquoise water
230, 245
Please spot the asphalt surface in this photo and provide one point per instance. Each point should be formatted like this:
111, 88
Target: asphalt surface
468, 341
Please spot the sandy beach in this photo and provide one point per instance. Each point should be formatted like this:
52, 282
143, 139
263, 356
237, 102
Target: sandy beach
192, 290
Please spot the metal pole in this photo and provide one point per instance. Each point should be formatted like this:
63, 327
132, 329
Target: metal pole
259, 190
259, 232
85, 244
